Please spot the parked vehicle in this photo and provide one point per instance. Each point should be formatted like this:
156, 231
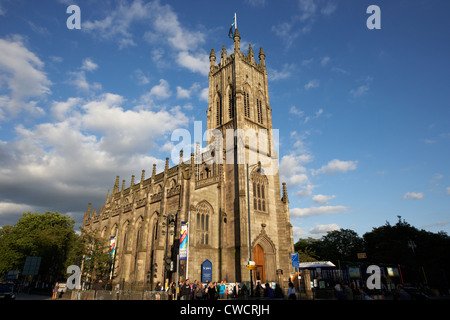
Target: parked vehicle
7, 291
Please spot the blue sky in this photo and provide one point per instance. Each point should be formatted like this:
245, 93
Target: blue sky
364, 115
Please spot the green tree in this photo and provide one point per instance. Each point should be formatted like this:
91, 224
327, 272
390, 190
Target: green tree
306, 249
50, 236
342, 244
97, 258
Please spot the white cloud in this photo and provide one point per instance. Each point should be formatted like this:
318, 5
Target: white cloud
293, 110
163, 28
298, 233
302, 21
24, 78
284, 73
322, 199
188, 93
78, 79
194, 62
329, 8
204, 94
161, 91
312, 84
89, 65
73, 160
314, 211
322, 229
325, 61
257, 3
448, 190
116, 24
413, 195
61, 109
359, 91
141, 77
336, 166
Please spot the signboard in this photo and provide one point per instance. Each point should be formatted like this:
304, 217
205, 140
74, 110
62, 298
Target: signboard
294, 259
206, 271
31, 266
361, 255
183, 240
392, 272
354, 272
251, 267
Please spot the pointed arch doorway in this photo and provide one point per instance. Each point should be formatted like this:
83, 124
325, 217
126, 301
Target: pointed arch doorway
258, 257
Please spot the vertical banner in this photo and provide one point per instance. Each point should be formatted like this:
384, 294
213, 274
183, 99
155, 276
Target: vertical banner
183, 241
112, 246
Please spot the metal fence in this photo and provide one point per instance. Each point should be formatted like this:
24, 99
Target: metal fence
113, 295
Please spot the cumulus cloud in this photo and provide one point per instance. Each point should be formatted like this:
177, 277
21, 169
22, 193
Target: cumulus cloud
314, 211
292, 170
89, 65
413, 195
161, 91
322, 199
21, 79
322, 229
303, 19
65, 164
336, 166
312, 84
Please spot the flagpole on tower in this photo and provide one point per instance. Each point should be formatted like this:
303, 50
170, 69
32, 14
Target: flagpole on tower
235, 21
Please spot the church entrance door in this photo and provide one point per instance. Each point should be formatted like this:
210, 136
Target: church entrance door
258, 257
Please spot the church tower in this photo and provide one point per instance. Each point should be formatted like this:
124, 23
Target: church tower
240, 111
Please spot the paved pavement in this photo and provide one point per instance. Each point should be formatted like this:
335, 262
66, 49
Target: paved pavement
26, 296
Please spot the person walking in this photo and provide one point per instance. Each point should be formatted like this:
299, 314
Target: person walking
291, 292
186, 291
222, 290
172, 291
348, 292
199, 292
55, 291
211, 291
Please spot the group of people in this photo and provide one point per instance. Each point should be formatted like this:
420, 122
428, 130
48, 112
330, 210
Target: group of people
213, 290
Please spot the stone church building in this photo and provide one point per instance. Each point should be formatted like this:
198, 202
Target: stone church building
214, 192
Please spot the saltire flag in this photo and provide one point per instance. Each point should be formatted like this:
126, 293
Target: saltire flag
233, 24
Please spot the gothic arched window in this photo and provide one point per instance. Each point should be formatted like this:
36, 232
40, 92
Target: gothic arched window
246, 105
259, 111
219, 110
259, 192
230, 104
203, 219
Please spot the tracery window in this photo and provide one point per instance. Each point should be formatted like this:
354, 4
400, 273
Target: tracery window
259, 111
230, 104
259, 192
203, 223
246, 105
219, 110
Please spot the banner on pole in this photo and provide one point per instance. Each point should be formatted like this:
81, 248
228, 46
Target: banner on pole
183, 241
112, 246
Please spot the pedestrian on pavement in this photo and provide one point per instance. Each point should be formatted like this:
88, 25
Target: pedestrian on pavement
402, 294
55, 291
348, 293
186, 291
291, 292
